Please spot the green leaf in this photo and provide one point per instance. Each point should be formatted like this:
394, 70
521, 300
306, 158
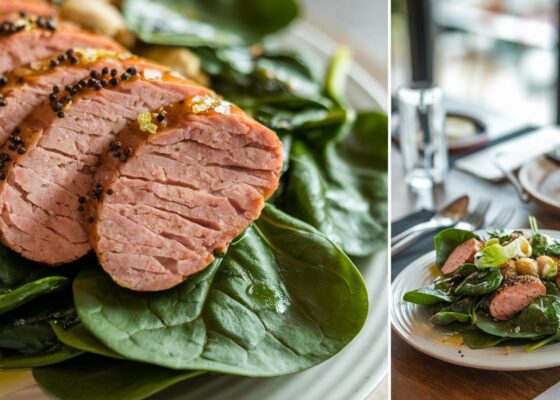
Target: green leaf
477, 339
281, 300
338, 74
29, 291
96, 378
456, 312
78, 337
27, 340
437, 292
540, 318
208, 23
53, 356
447, 240
343, 199
491, 257
480, 283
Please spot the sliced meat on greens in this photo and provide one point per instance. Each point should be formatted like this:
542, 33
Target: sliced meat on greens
196, 174
48, 169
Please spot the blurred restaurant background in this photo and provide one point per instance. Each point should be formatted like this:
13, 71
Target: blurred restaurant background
498, 54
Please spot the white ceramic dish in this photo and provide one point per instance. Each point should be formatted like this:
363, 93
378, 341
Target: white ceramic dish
540, 178
366, 355
410, 321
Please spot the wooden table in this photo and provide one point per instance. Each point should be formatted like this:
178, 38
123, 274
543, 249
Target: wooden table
417, 376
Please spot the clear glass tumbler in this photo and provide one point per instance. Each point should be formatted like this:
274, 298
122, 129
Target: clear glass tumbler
422, 135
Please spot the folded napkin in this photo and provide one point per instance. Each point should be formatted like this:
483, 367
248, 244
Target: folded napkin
423, 244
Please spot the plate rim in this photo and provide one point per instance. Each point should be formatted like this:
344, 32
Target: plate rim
524, 180
422, 262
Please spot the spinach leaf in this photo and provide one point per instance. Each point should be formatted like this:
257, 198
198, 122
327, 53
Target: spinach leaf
26, 339
29, 291
345, 202
282, 299
551, 288
480, 283
209, 22
540, 318
456, 312
543, 342
439, 291
96, 378
78, 337
55, 355
447, 240
477, 339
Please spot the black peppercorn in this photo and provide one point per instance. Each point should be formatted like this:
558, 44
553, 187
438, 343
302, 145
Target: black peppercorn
90, 220
3, 102
60, 114
3, 81
105, 70
5, 157
125, 76
110, 191
160, 117
81, 208
94, 74
132, 71
21, 150
55, 89
81, 199
114, 81
74, 60
114, 72
54, 63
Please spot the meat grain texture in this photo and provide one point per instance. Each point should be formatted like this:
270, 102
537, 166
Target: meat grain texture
29, 86
41, 217
183, 193
462, 254
36, 43
514, 295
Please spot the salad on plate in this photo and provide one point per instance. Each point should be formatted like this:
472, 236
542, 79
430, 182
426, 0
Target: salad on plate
501, 287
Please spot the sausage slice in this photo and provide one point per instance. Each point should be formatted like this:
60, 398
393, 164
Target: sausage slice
49, 166
462, 254
34, 7
27, 87
39, 40
514, 295
181, 193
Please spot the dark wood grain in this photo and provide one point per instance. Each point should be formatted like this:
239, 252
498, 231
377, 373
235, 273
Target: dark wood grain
418, 376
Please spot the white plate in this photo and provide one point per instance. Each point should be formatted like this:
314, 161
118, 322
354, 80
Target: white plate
353, 373
410, 321
540, 178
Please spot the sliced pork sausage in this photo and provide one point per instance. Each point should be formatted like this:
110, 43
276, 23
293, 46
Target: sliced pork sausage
462, 254
27, 87
35, 39
181, 193
33, 7
514, 295
49, 161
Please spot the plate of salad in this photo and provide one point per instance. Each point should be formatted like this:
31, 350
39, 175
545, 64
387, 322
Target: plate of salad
297, 297
486, 299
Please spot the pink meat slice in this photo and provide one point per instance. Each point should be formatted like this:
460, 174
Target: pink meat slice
514, 295
462, 254
34, 7
41, 217
38, 43
184, 192
27, 87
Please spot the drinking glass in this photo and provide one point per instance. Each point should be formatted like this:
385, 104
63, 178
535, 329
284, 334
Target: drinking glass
423, 138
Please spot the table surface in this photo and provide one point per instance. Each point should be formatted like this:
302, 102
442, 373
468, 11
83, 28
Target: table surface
418, 376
